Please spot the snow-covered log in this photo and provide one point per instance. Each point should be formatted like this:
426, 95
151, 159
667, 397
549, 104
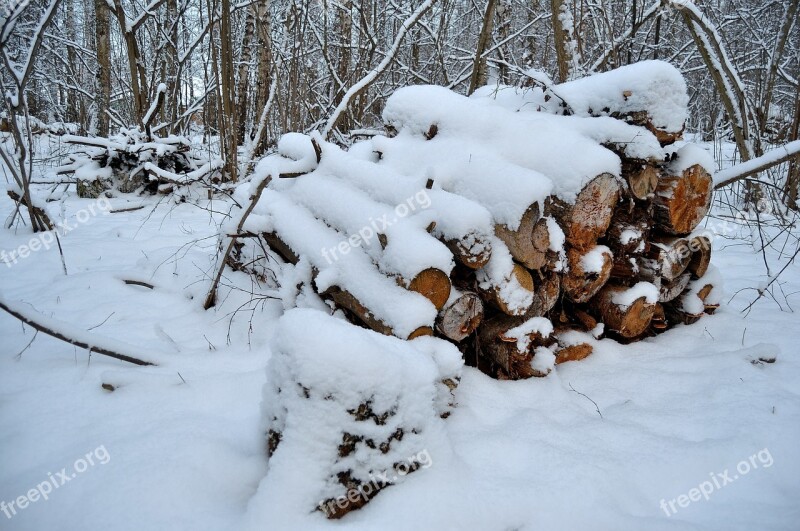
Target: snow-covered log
626, 311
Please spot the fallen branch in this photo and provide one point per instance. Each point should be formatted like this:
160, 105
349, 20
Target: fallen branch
211, 298
77, 337
751, 167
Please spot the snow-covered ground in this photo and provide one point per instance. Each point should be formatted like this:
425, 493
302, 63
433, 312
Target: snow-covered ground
597, 445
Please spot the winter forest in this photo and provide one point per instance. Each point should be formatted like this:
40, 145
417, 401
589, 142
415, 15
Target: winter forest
411, 264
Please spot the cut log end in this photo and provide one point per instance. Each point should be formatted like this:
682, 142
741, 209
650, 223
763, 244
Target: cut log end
642, 179
582, 282
459, 319
627, 321
682, 201
590, 216
575, 352
434, 285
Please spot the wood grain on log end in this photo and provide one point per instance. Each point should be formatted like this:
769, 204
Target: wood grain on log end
627, 321
460, 318
588, 218
433, 284
581, 285
682, 201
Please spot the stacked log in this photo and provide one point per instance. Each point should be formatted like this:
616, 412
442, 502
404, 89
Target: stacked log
523, 265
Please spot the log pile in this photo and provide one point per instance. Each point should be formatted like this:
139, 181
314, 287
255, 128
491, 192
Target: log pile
522, 237
131, 161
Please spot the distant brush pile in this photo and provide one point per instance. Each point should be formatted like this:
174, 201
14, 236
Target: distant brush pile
518, 223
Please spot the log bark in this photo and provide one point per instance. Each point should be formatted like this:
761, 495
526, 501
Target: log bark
581, 283
628, 321
682, 201
701, 256
461, 317
588, 218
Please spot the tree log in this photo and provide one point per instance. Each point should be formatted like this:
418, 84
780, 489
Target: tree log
669, 257
627, 321
461, 317
588, 218
529, 243
584, 279
340, 296
431, 283
546, 293
682, 201
670, 290
471, 251
641, 176
504, 351
570, 350
701, 256
496, 298
629, 228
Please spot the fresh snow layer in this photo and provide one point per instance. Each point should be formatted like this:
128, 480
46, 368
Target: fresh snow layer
541, 142
593, 261
523, 332
656, 87
690, 155
640, 290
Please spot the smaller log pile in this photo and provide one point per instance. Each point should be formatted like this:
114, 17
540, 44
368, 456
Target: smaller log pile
523, 236
132, 161
355, 410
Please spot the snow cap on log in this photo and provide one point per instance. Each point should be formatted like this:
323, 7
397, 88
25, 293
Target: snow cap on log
343, 406
654, 87
544, 143
400, 310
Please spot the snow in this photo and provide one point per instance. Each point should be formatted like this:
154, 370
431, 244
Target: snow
690, 155
557, 237
522, 333
536, 141
340, 264
409, 248
469, 170
594, 260
653, 86
640, 290
629, 235
498, 274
